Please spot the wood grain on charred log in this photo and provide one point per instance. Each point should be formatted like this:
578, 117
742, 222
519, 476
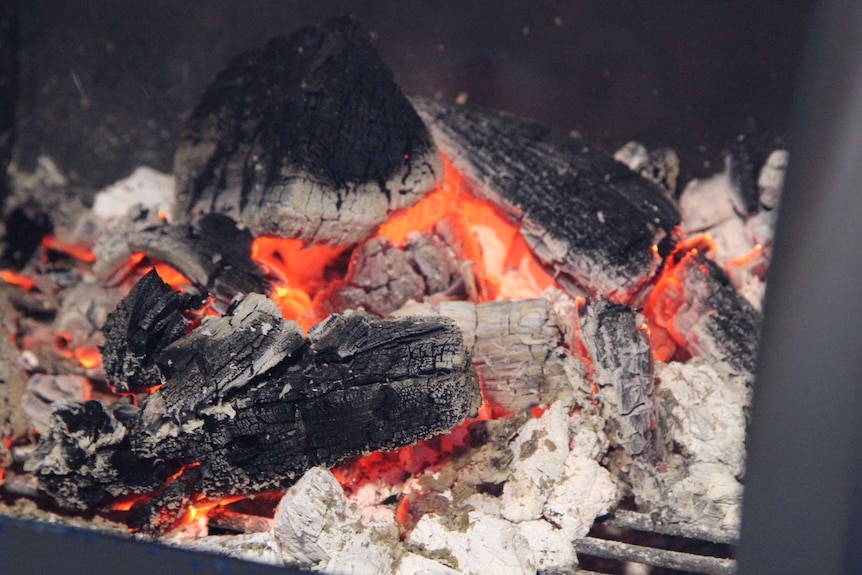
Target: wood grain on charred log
214, 253
250, 404
309, 137
619, 353
585, 215
144, 323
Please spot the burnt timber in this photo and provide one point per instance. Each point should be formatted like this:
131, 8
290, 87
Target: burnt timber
255, 418
588, 217
309, 138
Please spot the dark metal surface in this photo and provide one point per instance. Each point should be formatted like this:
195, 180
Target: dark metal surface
106, 85
29, 548
801, 511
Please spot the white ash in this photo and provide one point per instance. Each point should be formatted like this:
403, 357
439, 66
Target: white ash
43, 390
707, 202
770, 182
704, 419
540, 452
256, 547
587, 491
317, 527
474, 544
145, 187
661, 165
414, 564
553, 552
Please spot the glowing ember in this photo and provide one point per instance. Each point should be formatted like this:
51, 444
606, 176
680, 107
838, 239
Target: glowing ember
77, 251
12, 278
485, 236
299, 274
667, 297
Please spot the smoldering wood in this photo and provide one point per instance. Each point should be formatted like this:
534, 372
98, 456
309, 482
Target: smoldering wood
144, 323
257, 420
516, 346
309, 137
214, 253
586, 216
83, 310
381, 277
83, 460
715, 321
618, 352
13, 379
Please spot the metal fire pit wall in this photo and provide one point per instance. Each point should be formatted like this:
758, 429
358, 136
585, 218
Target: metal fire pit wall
802, 509
104, 86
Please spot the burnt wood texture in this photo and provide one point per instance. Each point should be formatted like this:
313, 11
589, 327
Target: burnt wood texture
585, 215
309, 137
214, 253
249, 404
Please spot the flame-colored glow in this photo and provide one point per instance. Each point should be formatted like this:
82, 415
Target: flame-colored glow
77, 251
299, 273
668, 297
483, 235
88, 356
13, 278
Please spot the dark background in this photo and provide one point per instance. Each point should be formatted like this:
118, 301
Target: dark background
104, 85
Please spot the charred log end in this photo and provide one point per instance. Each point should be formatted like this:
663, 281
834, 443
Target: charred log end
309, 138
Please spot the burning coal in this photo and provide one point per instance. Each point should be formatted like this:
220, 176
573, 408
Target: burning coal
432, 325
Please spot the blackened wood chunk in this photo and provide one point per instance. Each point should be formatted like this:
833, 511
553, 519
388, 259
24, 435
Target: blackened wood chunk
84, 459
712, 319
222, 354
309, 137
619, 353
357, 385
214, 253
144, 323
585, 215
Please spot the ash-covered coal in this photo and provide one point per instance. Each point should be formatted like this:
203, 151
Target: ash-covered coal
309, 138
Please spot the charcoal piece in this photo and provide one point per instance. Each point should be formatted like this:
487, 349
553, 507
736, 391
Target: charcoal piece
309, 137
223, 354
585, 215
618, 352
516, 346
214, 254
144, 323
83, 461
433, 260
380, 279
704, 313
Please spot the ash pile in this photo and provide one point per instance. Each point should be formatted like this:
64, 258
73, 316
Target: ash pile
363, 333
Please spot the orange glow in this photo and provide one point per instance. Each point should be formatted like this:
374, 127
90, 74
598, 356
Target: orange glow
77, 251
12, 278
748, 259
472, 221
298, 273
88, 356
667, 297
171, 276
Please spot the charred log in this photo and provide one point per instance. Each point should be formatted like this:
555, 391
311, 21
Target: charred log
704, 313
585, 215
309, 138
619, 354
214, 254
144, 323
250, 404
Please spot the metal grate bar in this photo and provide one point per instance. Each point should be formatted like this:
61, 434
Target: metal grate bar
645, 522
655, 557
